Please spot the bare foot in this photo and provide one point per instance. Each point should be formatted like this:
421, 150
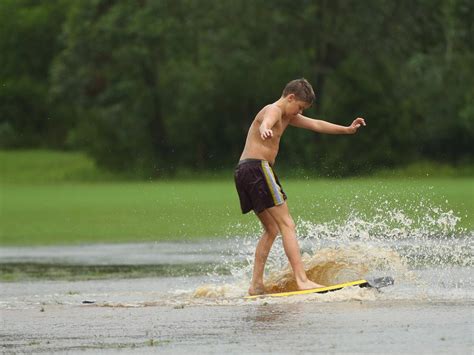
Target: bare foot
308, 285
256, 290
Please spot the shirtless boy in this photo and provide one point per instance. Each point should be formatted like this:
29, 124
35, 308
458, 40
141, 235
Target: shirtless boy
257, 185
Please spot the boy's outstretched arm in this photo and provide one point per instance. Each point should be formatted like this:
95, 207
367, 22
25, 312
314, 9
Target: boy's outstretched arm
326, 127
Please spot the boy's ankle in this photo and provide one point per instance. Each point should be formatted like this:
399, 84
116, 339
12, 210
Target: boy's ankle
258, 282
256, 289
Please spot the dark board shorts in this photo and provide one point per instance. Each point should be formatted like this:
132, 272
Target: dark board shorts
257, 185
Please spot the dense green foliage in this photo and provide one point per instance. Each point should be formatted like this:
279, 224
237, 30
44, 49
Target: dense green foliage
28, 43
150, 87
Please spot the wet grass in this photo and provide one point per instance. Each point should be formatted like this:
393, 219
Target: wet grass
49, 346
45, 166
45, 201
76, 213
69, 272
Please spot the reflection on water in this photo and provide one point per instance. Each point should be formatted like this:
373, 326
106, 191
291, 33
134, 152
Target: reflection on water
16, 271
262, 314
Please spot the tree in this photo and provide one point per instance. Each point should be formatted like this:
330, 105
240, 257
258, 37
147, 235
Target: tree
28, 43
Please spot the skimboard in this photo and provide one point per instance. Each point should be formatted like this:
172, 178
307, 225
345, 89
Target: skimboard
374, 283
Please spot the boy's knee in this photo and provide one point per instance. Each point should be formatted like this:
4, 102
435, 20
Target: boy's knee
272, 231
287, 223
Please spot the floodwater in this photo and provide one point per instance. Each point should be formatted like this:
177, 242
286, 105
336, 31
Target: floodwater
188, 297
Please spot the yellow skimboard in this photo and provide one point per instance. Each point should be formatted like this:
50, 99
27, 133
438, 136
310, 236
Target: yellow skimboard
375, 283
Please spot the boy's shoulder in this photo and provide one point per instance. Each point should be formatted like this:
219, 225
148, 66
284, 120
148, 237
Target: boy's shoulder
271, 109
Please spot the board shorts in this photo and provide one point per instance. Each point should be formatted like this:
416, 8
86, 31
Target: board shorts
257, 185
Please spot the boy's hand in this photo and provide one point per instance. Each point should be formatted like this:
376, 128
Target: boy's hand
266, 133
359, 121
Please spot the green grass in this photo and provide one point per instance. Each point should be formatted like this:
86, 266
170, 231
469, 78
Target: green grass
427, 169
45, 166
46, 204
119, 212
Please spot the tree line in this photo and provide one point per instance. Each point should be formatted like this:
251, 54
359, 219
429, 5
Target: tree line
152, 87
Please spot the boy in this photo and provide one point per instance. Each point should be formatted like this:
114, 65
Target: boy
259, 188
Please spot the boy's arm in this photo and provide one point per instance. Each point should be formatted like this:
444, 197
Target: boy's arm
326, 127
272, 115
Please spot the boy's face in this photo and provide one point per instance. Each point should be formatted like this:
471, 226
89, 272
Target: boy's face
295, 106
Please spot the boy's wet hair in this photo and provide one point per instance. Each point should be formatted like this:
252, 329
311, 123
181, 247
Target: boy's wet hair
301, 88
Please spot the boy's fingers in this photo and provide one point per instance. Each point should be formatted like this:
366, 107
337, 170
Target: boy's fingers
359, 121
267, 134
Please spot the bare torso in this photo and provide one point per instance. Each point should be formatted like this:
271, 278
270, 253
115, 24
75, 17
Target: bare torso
256, 147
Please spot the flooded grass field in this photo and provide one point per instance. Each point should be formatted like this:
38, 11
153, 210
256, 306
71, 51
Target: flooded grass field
188, 296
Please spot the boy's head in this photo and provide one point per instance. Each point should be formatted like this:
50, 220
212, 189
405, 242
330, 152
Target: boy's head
299, 95
301, 89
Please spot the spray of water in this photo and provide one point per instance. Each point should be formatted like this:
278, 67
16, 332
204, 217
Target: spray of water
419, 243
391, 238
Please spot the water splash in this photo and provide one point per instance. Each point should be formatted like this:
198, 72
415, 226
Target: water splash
383, 240
421, 246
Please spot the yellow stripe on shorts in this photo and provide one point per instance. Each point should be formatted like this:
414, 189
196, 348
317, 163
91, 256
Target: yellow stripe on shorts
272, 184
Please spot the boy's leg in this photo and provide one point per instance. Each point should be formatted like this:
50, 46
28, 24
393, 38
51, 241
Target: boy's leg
282, 217
263, 249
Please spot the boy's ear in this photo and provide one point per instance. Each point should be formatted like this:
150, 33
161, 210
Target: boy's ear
291, 97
